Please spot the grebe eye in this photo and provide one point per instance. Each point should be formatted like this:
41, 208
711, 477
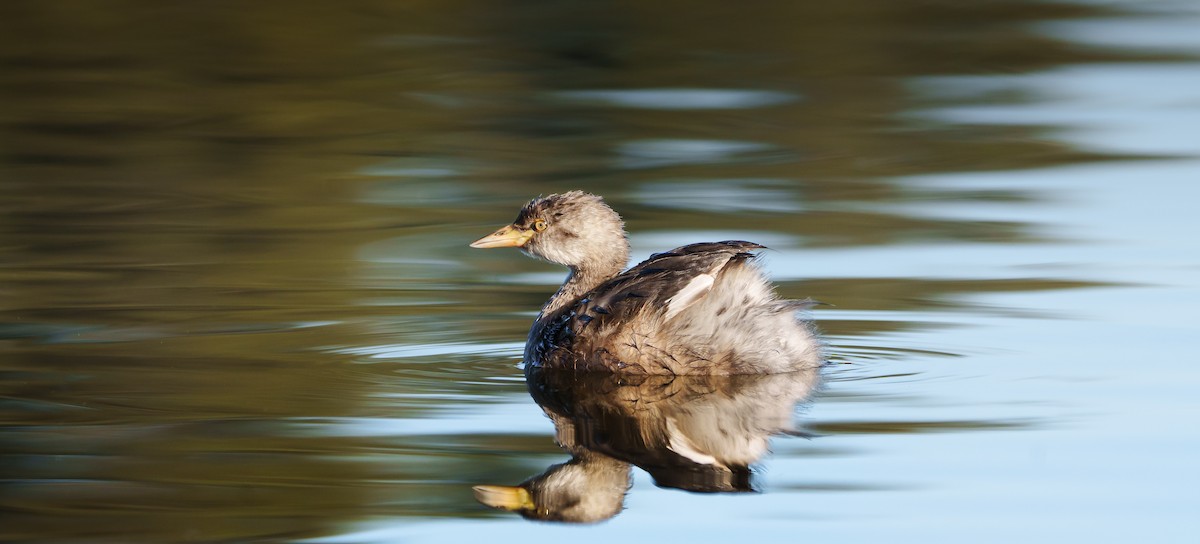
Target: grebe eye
539, 225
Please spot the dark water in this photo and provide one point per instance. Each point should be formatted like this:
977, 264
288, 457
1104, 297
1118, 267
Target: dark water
236, 302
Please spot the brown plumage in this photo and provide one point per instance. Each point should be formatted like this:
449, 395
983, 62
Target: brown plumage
698, 309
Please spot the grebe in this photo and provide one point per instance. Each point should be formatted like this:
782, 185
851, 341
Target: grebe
698, 309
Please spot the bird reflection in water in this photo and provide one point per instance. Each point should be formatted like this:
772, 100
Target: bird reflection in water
697, 433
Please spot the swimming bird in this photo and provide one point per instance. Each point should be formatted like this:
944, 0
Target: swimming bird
703, 308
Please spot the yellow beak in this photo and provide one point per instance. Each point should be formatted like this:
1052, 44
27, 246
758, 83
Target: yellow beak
509, 236
504, 497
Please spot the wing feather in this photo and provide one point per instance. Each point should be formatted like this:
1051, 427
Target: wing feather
692, 292
667, 283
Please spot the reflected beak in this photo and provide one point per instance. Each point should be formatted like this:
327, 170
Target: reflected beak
509, 236
504, 497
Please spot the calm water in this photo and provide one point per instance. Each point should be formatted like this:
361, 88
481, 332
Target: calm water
236, 302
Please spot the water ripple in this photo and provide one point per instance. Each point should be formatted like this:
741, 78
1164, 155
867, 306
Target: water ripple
406, 351
653, 153
679, 99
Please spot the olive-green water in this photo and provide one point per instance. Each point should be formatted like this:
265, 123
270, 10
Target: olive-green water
237, 303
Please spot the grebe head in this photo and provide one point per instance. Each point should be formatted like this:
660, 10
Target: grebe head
575, 229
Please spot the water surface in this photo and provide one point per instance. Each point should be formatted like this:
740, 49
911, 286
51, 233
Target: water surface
236, 302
